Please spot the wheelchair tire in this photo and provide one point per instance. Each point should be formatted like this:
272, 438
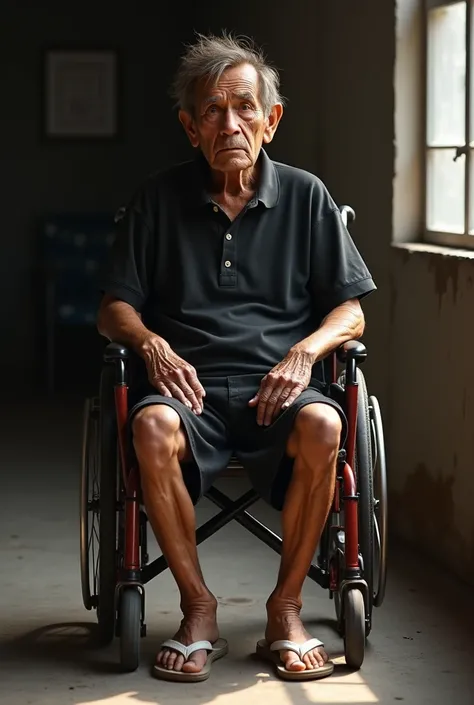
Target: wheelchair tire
129, 623
106, 612
89, 504
364, 474
381, 502
354, 628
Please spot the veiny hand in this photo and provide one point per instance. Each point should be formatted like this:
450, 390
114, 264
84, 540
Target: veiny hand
282, 385
171, 375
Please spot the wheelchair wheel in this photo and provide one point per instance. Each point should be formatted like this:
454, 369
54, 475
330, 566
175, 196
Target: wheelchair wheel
354, 628
89, 505
106, 612
366, 504
129, 622
380, 492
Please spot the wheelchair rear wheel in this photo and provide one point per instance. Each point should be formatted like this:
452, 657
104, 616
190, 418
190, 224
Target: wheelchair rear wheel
108, 504
98, 514
372, 489
89, 505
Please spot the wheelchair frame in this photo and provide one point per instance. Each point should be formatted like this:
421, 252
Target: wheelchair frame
341, 566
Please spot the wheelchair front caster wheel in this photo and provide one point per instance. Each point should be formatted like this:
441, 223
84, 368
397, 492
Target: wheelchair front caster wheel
129, 618
354, 628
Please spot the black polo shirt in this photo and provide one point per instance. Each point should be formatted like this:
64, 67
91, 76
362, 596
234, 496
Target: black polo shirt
232, 297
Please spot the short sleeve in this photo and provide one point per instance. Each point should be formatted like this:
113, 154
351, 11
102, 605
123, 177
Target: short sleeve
128, 272
338, 272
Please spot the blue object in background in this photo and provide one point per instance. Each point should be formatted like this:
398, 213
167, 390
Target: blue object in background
74, 248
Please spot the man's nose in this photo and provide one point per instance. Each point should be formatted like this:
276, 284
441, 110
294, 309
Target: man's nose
230, 123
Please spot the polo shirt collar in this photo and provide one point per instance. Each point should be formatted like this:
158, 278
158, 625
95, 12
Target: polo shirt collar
268, 191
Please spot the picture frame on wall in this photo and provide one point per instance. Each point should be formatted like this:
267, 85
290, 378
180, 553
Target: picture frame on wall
80, 94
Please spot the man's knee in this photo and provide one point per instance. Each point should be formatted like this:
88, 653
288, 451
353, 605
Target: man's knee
157, 430
318, 425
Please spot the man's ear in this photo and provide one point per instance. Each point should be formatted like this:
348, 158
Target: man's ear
188, 123
272, 122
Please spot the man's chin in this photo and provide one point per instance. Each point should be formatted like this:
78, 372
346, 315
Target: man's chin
232, 159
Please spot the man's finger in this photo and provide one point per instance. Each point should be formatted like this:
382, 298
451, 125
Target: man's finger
272, 404
178, 394
265, 395
161, 386
254, 400
189, 393
294, 395
194, 382
281, 401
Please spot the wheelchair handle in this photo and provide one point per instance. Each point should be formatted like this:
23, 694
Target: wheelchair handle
115, 351
348, 215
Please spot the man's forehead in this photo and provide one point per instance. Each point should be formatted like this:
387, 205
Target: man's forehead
242, 94
241, 81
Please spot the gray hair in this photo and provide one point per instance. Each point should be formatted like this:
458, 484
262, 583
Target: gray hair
210, 56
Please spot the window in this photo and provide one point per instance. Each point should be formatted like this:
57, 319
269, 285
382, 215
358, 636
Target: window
449, 123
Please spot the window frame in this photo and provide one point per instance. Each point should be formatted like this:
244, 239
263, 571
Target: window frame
448, 239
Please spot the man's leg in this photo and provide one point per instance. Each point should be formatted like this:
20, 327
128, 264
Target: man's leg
314, 445
160, 445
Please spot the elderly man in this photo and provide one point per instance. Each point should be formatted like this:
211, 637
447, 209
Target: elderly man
232, 277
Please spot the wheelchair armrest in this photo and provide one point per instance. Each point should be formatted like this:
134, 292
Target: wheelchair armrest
115, 351
352, 350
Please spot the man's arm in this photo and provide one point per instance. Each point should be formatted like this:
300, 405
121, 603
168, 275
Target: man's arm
170, 374
292, 375
345, 322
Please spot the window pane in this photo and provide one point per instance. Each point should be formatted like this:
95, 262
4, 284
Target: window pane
447, 75
471, 193
445, 191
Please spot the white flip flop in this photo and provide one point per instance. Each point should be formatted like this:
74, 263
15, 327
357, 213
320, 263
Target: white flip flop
215, 651
270, 652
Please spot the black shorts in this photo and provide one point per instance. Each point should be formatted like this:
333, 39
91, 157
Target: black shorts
228, 426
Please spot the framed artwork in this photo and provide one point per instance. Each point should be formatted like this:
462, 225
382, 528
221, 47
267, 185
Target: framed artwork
80, 94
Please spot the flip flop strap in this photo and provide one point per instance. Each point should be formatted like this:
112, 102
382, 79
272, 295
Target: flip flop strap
300, 649
186, 651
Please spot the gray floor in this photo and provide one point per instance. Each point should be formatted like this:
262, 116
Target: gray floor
420, 649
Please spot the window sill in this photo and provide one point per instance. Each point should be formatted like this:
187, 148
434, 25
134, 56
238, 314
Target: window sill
429, 248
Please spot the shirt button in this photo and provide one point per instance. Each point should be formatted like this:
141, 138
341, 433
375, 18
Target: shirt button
215, 209
228, 236
228, 263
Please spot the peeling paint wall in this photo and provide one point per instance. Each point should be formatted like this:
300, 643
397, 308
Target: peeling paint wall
419, 332
432, 406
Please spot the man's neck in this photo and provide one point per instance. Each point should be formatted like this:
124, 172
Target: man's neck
234, 185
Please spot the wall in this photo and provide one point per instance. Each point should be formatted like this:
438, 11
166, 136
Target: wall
45, 177
419, 324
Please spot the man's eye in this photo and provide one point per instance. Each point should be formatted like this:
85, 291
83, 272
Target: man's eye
247, 106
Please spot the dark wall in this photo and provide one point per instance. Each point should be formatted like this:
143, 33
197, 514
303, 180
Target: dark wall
42, 177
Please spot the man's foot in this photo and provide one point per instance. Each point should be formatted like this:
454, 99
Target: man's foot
198, 624
284, 623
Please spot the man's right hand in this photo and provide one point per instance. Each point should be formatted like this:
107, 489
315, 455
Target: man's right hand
170, 374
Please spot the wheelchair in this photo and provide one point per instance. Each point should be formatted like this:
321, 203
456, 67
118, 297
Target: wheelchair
351, 557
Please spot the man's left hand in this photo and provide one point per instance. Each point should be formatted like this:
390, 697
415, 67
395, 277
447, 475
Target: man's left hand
282, 385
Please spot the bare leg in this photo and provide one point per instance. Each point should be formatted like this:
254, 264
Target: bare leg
160, 445
314, 445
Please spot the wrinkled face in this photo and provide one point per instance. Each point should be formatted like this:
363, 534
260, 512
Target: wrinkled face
229, 124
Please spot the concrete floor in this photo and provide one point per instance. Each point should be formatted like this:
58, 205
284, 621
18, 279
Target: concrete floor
420, 649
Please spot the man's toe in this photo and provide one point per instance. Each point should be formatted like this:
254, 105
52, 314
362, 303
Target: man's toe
179, 662
196, 663
292, 662
171, 660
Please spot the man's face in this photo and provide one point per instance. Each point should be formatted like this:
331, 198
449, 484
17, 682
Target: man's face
229, 124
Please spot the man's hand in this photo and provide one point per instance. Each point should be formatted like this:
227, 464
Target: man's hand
171, 375
282, 385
